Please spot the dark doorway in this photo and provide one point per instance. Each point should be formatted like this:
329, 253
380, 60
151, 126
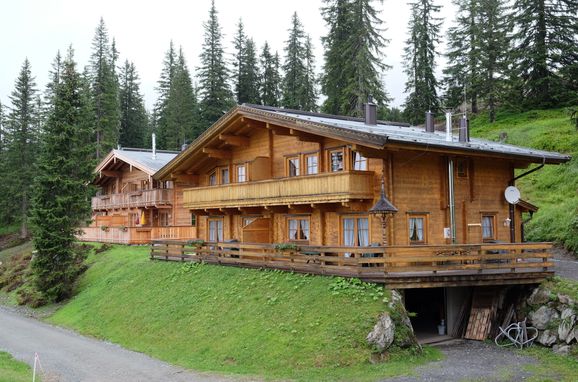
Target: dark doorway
428, 308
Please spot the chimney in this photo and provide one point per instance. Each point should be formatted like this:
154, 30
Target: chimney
429, 122
154, 146
183, 147
464, 129
370, 112
449, 126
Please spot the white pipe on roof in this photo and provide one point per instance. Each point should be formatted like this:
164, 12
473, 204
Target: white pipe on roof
449, 126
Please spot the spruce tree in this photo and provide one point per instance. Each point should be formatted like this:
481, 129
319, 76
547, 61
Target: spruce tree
249, 85
270, 79
104, 86
239, 42
215, 94
6, 205
420, 54
22, 137
309, 86
61, 195
294, 65
182, 109
164, 89
133, 116
545, 46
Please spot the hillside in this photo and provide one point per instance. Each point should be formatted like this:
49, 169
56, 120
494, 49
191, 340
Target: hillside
211, 318
554, 188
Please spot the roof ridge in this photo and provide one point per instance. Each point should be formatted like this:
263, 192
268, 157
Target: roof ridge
134, 149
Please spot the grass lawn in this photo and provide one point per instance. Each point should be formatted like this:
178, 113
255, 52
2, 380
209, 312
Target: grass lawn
12, 370
212, 318
551, 367
554, 187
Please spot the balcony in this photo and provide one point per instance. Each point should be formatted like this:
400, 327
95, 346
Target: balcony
135, 235
334, 187
143, 198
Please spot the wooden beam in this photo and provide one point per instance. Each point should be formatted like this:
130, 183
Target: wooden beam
189, 179
112, 174
305, 137
218, 154
369, 152
234, 140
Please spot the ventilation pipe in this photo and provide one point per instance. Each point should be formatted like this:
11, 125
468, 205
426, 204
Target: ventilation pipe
154, 140
464, 129
451, 190
449, 126
429, 122
370, 113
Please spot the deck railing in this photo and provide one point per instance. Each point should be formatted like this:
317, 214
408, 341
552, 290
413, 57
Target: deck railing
143, 198
173, 233
370, 263
320, 188
136, 235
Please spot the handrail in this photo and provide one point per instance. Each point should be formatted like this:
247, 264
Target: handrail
141, 198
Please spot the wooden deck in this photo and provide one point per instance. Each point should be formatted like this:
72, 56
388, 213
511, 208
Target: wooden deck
142, 198
135, 235
395, 266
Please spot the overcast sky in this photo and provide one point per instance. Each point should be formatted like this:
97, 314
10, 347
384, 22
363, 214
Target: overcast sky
37, 29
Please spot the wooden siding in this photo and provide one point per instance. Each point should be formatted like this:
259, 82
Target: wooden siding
143, 198
321, 188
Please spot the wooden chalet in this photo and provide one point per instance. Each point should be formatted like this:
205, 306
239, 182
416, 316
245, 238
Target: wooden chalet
130, 206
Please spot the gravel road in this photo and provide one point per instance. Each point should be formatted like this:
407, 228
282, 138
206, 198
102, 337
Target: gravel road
565, 264
66, 356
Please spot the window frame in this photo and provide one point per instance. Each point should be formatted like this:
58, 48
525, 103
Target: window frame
330, 159
213, 179
294, 159
169, 218
307, 167
298, 218
425, 228
356, 218
245, 173
364, 160
462, 168
493, 218
222, 179
221, 231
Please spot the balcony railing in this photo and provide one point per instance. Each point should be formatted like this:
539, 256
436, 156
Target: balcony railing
396, 266
143, 198
136, 235
322, 188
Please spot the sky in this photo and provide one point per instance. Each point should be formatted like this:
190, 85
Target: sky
37, 29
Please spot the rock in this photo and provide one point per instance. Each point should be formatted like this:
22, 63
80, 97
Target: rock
547, 338
566, 299
382, 334
542, 317
567, 321
573, 335
561, 349
539, 296
395, 299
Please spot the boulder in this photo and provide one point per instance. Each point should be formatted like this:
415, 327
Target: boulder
565, 299
547, 338
383, 333
543, 316
539, 296
573, 335
567, 321
561, 349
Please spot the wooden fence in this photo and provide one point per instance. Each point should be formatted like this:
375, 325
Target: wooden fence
369, 263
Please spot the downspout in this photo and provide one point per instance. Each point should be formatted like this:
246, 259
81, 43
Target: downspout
451, 190
512, 182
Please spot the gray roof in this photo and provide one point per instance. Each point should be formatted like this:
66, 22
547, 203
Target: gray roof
405, 134
143, 158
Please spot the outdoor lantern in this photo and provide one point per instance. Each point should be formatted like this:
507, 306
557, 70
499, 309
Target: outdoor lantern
383, 209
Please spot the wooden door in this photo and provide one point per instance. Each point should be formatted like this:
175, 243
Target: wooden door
257, 231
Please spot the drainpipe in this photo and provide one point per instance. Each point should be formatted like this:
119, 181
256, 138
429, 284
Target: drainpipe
451, 190
512, 182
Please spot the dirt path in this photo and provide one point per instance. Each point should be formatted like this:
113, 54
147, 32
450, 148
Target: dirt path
565, 264
472, 361
67, 356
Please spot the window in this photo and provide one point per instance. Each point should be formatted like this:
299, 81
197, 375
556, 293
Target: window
312, 164
488, 227
225, 175
213, 179
355, 231
193, 220
164, 218
359, 162
462, 168
134, 219
417, 229
215, 229
241, 173
293, 166
298, 228
336, 159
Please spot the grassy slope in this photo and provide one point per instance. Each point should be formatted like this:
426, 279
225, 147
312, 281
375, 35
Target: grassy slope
212, 318
553, 188
12, 370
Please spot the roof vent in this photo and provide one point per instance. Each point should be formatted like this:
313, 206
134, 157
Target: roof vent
429, 122
370, 112
154, 140
464, 129
183, 147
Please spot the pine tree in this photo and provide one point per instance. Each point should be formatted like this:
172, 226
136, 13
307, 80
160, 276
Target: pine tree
309, 87
250, 76
420, 55
545, 45
104, 86
61, 197
22, 137
182, 108
164, 90
6, 205
133, 116
216, 97
270, 79
294, 65
239, 42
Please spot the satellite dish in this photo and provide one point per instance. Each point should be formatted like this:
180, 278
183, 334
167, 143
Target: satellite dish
512, 195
